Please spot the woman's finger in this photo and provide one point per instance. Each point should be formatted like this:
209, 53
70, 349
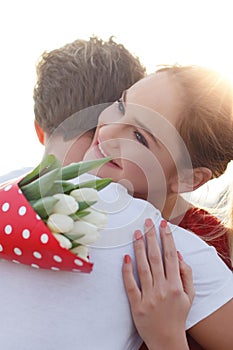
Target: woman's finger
131, 287
186, 277
143, 267
154, 252
171, 262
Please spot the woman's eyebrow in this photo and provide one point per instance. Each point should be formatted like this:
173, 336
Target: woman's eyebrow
123, 96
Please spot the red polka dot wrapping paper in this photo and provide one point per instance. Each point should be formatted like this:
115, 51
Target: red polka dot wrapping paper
25, 239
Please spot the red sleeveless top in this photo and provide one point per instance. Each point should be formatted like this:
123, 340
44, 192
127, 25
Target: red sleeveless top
207, 226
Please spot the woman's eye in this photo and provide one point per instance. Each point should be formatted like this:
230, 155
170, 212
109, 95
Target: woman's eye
121, 106
141, 138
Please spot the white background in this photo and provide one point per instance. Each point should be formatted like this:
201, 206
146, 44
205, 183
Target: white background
198, 32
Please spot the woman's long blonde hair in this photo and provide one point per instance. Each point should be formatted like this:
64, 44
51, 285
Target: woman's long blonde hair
206, 123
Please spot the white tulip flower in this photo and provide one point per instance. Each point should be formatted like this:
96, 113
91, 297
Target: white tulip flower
95, 217
83, 232
81, 251
66, 204
60, 223
64, 242
85, 194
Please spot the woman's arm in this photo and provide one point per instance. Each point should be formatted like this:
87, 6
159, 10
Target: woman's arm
160, 307
215, 331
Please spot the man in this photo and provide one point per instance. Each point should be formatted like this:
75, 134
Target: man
43, 308
81, 74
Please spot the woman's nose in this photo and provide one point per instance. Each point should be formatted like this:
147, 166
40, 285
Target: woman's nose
109, 115
110, 132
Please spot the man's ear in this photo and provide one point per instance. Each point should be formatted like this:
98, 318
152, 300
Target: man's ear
40, 132
190, 179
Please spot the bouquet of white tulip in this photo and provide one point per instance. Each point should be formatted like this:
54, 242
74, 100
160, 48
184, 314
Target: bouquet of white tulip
64, 209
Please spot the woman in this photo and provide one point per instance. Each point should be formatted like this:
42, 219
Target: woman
198, 104
148, 133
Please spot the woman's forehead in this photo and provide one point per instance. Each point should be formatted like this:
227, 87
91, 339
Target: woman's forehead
158, 92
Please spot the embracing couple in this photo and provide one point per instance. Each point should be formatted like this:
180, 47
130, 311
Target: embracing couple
167, 133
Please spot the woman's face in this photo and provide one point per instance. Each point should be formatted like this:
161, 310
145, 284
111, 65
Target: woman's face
139, 133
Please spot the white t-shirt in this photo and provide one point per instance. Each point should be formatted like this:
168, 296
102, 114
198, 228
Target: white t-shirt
55, 310
14, 174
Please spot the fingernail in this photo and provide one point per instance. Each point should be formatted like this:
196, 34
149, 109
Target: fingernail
163, 224
148, 223
165, 228
138, 234
127, 259
180, 257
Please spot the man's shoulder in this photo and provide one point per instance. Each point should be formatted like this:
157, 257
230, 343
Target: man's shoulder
14, 174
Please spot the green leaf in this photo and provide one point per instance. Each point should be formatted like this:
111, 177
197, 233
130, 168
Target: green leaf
61, 186
79, 214
98, 184
44, 206
85, 205
48, 163
76, 169
75, 244
40, 187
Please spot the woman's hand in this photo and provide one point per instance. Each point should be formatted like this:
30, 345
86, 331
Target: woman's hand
161, 305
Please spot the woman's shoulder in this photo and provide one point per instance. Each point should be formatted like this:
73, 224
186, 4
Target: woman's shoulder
201, 220
210, 228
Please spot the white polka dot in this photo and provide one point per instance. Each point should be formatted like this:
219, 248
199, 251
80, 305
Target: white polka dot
35, 266
18, 251
44, 238
26, 233
1, 248
5, 207
8, 229
38, 217
78, 262
55, 268
22, 210
37, 255
19, 191
7, 188
15, 261
57, 258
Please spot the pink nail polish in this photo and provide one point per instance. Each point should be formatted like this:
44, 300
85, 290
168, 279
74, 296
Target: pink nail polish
127, 259
163, 224
148, 223
138, 235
